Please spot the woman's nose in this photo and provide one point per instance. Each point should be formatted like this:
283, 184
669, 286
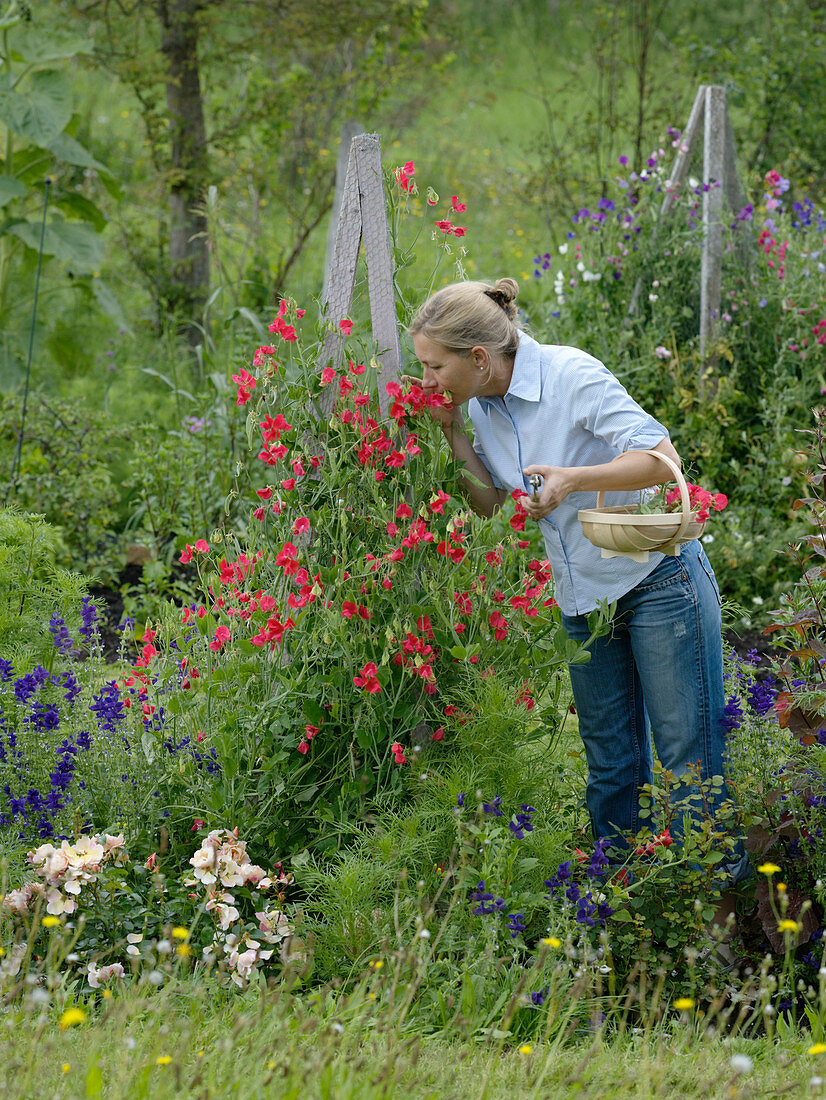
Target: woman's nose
428, 379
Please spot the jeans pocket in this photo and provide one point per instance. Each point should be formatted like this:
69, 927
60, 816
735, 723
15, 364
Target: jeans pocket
709, 572
668, 570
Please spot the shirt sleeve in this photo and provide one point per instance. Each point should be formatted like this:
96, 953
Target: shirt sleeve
601, 405
483, 458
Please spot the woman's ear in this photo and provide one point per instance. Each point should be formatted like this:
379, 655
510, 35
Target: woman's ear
479, 356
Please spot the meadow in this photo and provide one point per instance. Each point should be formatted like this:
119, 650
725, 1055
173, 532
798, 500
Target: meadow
291, 790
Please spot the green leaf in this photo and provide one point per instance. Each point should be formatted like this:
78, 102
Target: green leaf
94, 1081
82, 208
11, 188
35, 44
109, 304
42, 110
75, 244
69, 150
622, 916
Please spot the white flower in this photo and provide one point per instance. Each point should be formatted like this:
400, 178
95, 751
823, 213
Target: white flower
563, 248
98, 977
59, 903
741, 1063
580, 266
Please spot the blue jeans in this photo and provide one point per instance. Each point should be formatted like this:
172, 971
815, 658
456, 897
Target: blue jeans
660, 667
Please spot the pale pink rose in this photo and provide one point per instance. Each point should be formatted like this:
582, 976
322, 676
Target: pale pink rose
58, 903
98, 977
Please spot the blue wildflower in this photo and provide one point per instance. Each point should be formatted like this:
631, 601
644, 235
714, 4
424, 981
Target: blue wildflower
493, 807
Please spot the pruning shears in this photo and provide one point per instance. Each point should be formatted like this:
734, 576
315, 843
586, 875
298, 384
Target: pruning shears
536, 485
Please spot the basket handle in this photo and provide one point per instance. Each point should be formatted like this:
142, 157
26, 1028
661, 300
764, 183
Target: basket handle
678, 477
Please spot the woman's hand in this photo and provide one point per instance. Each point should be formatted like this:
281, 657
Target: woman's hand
556, 486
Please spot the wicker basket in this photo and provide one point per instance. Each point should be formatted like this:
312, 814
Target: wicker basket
620, 532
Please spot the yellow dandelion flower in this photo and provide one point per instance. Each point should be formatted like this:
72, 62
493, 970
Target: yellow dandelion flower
71, 1017
377, 964
526, 1048
780, 887
552, 941
371, 996
163, 1060
818, 1048
180, 933
183, 949
769, 869
107, 993
788, 926
65, 1067
2, 952
684, 1003
50, 922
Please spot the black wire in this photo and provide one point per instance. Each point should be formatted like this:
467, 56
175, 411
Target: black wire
15, 468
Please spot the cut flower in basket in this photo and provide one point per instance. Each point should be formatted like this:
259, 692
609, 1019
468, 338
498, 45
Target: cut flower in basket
701, 502
661, 521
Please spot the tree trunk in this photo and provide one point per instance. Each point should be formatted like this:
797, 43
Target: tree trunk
188, 248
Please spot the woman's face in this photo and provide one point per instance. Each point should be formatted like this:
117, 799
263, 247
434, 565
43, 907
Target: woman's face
444, 371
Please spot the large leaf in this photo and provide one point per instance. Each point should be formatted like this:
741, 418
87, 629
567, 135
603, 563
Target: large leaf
37, 45
75, 244
11, 188
68, 149
109, 304
80, 207
42, 110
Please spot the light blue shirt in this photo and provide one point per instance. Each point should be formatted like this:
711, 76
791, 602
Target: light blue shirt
564, 408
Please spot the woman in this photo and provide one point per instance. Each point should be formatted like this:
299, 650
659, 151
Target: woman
559, 413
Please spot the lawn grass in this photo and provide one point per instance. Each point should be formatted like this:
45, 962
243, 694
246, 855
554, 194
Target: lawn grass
190, 1040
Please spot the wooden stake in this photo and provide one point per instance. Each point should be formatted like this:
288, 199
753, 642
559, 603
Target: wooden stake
363, 215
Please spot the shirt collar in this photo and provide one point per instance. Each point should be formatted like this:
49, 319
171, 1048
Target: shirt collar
526, 380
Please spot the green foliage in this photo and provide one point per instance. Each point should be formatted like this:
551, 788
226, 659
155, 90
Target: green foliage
32, 587
38, 125
68, 473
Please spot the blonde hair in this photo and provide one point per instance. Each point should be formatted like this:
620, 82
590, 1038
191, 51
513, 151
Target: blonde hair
466, 315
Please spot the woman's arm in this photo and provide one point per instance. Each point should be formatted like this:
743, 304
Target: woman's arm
484, 498
632, 470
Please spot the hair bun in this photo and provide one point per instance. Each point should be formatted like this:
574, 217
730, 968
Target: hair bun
504, 293
508, 288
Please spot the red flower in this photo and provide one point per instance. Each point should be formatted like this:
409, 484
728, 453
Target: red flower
312, 731
438, 505
499, 624
345, 326
301, 524
186, 555
439, 734
220, 639
368, 679
303, 747
445, 226
288, 484
404, 511
202, 546
459, 207
265, 494
327, 376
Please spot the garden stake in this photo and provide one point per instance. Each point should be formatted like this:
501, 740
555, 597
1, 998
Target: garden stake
15, 466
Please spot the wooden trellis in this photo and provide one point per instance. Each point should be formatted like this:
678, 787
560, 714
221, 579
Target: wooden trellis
362, 217
709, 117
